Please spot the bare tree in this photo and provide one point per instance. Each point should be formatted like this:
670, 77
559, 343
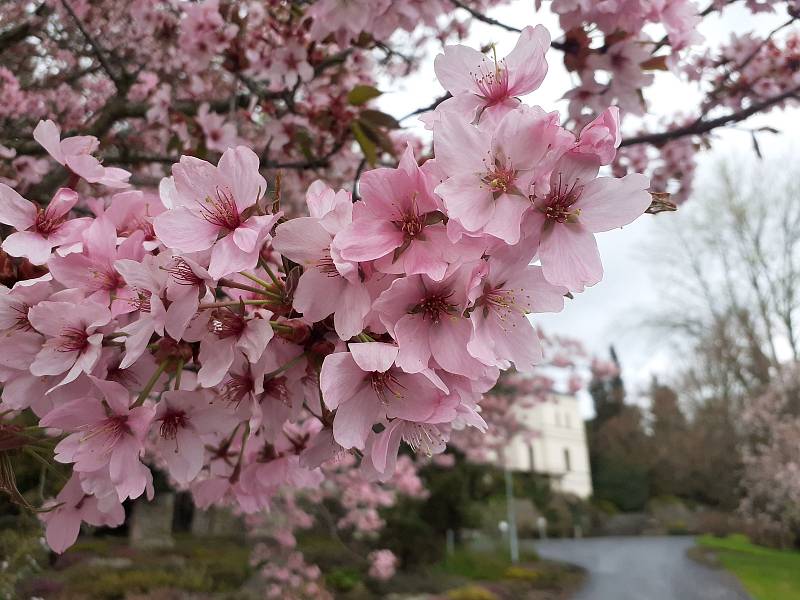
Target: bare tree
731, 266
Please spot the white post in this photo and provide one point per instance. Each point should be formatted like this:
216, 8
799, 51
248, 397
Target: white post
513, 542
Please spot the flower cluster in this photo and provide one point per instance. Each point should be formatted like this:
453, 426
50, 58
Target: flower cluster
200, 331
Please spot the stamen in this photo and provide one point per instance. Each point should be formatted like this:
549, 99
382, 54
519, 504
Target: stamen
275, 387
183, 274
73, 339
221, 211
383, 382
226, 323
559, 201
326, 265
432, 307
235, 389
21, 322
171, 422
106, 279
492, 82
424, 438
112, 429
142, 300
46, 223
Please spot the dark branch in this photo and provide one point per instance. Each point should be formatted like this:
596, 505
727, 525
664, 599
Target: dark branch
701, 127
15, 34
431, 106
119, 80
479, 16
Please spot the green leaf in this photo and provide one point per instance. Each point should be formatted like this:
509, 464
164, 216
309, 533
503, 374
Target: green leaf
368, 147
377, 118
362, 94
378, 136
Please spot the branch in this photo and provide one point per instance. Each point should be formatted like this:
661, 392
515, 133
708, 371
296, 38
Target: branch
15, 34
700, 127
431, 106
119, 81
714, 94
490, 21
483, 18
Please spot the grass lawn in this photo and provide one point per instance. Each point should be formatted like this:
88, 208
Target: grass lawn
765, 573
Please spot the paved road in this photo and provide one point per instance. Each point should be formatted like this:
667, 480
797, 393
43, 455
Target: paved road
641, 568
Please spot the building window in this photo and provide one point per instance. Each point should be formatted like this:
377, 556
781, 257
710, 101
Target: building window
531, 460
567, 465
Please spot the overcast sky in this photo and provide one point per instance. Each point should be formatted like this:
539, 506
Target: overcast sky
611, 312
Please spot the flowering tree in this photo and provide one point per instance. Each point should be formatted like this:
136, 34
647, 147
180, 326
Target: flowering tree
194, 322
771, 483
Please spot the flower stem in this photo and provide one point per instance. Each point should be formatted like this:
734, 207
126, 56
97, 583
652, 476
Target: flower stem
148, 387
247, 288
272, 276
233, 303
257, 280
285, 367
178, 373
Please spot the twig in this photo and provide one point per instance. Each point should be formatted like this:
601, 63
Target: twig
701, 127
119, 81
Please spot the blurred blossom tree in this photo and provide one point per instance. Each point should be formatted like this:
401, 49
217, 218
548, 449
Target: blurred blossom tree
168, 307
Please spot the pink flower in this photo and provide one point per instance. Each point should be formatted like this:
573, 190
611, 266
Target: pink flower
503, 299
92, 270
72, 506
147, 280
133, 211
106, 433
382, 448
205, 201
329, 284
219, 135
364, 387
600, 139
345, 18
39, 230
184, 418
383, 564
427, 320
398, 219
188, 282
489, 176
15, 303
228, 331
572, 209
75, 153
73, 340
479, 84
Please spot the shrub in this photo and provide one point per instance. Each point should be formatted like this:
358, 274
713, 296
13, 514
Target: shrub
343, 580
471, 592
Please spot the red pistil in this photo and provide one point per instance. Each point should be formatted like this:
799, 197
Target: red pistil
73, 339
46, 223
492, 83
235, 389
326, 265
183, 274
221, 211
385, 382
171, 422
433, 306
558, 203
226, 323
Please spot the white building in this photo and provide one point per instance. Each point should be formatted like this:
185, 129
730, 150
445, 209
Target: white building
558, 447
